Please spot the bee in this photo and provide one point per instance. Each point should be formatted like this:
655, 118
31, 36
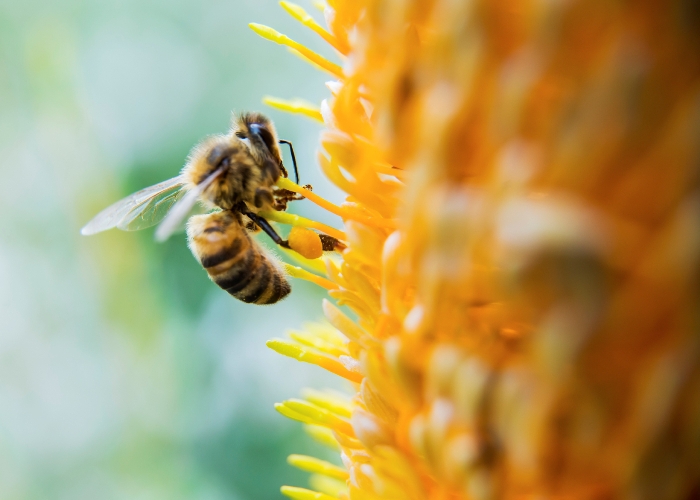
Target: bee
235, 173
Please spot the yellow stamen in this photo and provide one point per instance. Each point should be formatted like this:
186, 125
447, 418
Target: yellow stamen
303, 494
277, 37
325, 361
312, 464
322, 435
285, 183
300, 15
320, 416
329, 401
316, 265
301, 56
298, 272
296, 105
327, 485
319, 4
289, 413
347, 326
297, 220
310, 340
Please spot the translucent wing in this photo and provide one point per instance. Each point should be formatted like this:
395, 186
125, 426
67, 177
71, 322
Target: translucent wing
142, 209
183, 207
151, 212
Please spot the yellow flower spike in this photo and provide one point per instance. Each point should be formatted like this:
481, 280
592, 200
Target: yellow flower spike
301, 56
320, 416
315, 465
298, 272
347, 326
303, 494
305, 242
347, 442
277, 37
319, 4
300, 106
316, 265
356, 303
332, 270
477, 128
317, 343
322, 435
328, 400
327, 485
297, 220
288, 184
300, 15
304, 355
325, 331
289, 413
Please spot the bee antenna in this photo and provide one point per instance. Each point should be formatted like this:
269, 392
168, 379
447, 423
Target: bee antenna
294, 158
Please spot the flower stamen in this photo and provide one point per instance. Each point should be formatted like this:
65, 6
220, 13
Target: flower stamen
300, 106
300, 15
277, 37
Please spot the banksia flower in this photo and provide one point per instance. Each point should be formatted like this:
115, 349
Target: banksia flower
519, 283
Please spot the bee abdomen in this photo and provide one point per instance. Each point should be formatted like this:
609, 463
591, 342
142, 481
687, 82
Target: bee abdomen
253, 279
233, 261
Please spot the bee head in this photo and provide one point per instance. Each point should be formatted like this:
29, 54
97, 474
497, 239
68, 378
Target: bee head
260, 135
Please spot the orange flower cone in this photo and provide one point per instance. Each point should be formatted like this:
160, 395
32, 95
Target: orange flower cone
521, 275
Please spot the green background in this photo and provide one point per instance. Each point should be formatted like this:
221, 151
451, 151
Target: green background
124, 372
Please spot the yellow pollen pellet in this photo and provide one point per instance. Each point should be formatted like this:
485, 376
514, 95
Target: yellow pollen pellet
305, 242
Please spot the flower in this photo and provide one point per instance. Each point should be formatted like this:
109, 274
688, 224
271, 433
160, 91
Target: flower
522, 230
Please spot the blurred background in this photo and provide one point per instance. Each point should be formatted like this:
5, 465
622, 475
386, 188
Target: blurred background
124, 372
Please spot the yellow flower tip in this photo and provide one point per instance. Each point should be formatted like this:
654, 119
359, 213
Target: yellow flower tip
267, 32
325, 361
318, 466
304, 494
320, 416
285, 348
296, 11
306, 242
299, 106
289, 413
277, 37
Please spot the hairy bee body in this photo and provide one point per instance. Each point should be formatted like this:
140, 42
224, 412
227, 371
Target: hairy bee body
235, 173
233, 260
253, 158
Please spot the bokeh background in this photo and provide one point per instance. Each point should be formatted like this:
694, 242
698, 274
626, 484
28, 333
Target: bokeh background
124, 372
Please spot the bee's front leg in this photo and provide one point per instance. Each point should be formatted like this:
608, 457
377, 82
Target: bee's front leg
269, 230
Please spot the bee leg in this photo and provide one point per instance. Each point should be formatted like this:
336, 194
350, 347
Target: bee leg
269, 230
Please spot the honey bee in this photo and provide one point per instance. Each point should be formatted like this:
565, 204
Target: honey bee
235, 173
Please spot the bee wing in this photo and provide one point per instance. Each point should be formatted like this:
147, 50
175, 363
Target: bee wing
124, 212
182, 208
151, 211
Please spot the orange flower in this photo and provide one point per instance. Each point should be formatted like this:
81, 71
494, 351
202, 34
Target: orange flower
523, 234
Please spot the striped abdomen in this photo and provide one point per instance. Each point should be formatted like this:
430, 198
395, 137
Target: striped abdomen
233, 260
